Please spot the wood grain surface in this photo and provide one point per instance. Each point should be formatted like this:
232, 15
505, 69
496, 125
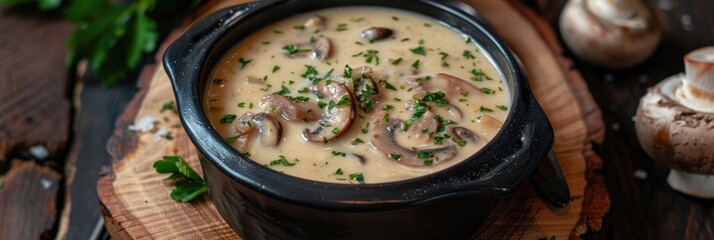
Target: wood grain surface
34, 111
136, 202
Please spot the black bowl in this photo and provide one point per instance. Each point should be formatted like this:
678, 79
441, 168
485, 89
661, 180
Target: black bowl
258, 202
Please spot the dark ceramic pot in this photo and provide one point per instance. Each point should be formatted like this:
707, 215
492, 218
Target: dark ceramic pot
260, 203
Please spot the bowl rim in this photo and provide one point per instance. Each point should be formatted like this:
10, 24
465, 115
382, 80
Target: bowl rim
201, 41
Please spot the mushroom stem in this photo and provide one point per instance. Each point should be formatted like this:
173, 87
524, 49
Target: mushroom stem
693, 184
697, 91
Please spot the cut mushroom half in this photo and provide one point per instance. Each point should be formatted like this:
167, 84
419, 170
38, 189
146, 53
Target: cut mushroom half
290, 110
268, 129
384, 139
337, 115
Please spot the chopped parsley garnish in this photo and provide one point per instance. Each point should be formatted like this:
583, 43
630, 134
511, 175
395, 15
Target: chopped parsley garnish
339, 171
428, 162
387, 107
348, 71
266, 88
443, 59
336, 153
502, 107
371, 56
265, 42
366, 128
228, 118
345, 100
395, 156
386, 85
312, 74
385, 118
250, 106
188, 184
485, 109
293, 49
365, 96
433, 96
420, 50
283, 90
425, 154
321, 104
342, 27
232, 140
298, 99
276, 68
486, 90
241, 105
405, 39
468, 40
359, 140
244, 62
415, 65
282, 161
461, 143
303, 90
169, 106
356, 19
335, 131
357, 177
468, 55
397, 61
299, 27
479, 75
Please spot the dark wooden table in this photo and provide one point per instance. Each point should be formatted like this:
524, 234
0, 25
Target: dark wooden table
42, 103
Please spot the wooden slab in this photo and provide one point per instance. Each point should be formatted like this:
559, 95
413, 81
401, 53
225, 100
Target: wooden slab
137, 203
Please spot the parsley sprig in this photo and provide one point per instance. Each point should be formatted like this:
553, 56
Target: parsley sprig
188, 184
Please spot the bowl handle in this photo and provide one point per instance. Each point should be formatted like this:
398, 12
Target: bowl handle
534, 142
191, 49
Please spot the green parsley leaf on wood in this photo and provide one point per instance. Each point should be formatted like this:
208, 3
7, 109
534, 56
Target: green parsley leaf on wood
188, 184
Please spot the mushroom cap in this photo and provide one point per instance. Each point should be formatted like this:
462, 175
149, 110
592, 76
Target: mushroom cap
673, 134
602, 33
335, 115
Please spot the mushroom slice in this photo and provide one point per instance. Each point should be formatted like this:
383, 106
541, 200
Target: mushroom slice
490, 125
315, 22
376, 33
420, 129
462, 133
290, 110
337, 115
269, 129
362, 160
321, 49
454, 85
384, 140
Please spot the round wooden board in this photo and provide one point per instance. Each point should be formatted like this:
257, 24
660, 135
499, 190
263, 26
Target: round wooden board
136, 202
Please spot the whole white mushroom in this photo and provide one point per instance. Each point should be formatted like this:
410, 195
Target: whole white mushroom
675, 125
610, 33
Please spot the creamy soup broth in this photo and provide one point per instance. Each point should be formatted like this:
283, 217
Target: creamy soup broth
285, 95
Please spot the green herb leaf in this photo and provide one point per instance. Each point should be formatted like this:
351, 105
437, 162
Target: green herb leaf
188, 185
468, 55
282, 161
485, 109
112, 37
357, 177
339, 171
244, 62
276, 68
228, 118
231, 140
169, 106
397, 61
283, 90
348, 71
425, 154
336, 153
502, 107
415, 65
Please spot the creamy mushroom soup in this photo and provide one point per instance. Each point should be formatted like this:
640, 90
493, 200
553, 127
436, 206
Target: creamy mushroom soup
357, 95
